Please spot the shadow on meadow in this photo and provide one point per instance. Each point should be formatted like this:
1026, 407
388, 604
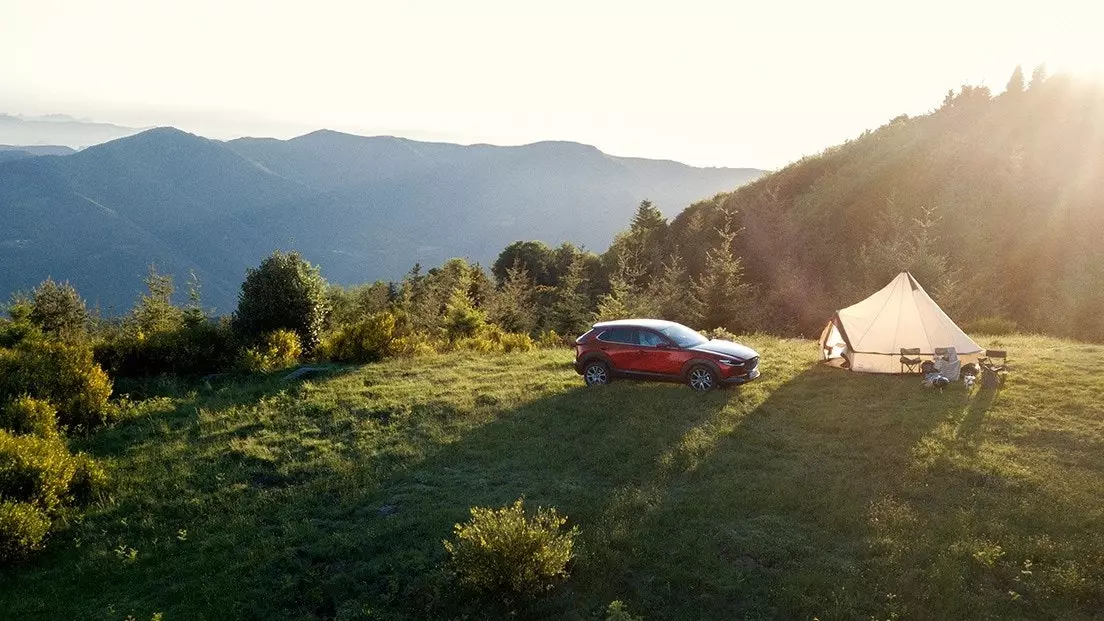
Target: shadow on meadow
828, 493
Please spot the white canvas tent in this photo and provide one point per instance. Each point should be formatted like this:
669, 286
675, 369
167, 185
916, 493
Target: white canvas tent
869, 336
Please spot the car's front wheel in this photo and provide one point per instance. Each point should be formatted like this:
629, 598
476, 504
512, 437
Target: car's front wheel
596, 373
702, 378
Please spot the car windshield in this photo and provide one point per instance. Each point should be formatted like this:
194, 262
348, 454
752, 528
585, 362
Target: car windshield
685, 337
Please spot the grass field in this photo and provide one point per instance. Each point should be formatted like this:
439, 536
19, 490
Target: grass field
813, 492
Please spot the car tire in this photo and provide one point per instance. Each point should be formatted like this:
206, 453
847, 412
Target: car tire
701, 378
596, 373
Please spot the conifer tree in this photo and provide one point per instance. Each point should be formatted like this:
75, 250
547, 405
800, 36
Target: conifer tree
1016, 82
58, 309
721, 293
571, 308
511, 307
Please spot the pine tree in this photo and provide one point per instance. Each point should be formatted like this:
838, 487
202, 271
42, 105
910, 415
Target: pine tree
1016, 82
1038, 77
721, 293
670, 295
58, 309
511, 307
570, 309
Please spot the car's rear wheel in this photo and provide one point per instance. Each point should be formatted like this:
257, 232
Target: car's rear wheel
596, 373
701, 378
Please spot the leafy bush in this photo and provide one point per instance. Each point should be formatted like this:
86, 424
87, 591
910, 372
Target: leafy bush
618, 611
991, 326
23, 528
58, 310
368, 340
462, 319
89, 479
63, 374
516, 342
193, 348
29, 416
719, 333
284, 292
35, 470
504, 552
551, 340
276, 350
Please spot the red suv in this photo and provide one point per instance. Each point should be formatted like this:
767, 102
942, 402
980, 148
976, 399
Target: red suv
661, 350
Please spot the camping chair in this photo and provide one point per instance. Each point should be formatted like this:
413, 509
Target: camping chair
995, 360
994, 368
947, 363
910, 360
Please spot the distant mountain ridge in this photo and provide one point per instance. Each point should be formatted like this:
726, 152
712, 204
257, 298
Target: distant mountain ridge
361, 207
58, 129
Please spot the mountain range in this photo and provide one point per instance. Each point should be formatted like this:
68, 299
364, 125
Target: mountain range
58, 129
363, 208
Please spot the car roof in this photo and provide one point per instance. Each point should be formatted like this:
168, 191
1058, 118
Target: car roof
654, 324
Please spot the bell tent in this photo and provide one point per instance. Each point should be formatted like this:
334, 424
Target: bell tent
869, 336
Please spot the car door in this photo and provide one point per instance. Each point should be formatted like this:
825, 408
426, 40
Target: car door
620, 345
658, 354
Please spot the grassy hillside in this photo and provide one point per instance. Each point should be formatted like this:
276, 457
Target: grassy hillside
811, 493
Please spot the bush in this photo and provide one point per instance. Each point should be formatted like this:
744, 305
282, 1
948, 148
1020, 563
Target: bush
193, 348
516, 342
277, 350
504, 552
58, 310
551, 340
23, 528
89, 479
284, 292
368, 340
618, 611
991, 326
35, 470
64, 374
29, 416
719, 333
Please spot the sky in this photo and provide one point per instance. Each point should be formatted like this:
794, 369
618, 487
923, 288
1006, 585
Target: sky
707, 83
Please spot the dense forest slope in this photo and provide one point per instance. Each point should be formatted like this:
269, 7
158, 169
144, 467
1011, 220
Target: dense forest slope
363, 208
996, 204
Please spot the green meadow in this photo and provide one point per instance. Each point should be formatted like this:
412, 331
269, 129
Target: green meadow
811, 493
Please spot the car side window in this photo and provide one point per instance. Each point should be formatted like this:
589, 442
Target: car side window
649, 338
626, 336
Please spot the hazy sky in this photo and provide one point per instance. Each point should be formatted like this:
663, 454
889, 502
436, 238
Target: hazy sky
707, 83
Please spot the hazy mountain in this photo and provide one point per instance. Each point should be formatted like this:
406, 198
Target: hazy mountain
58, 129
10, 153
363, 208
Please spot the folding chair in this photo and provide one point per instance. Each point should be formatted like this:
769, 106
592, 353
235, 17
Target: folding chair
910, 360
995, 360
994, 368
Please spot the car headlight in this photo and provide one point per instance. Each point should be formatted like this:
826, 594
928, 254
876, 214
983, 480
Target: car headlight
731, 363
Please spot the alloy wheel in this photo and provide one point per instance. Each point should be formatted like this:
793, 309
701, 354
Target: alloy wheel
596, 374
701, 379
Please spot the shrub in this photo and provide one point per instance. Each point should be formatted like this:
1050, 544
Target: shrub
719, 333
507, 553
23, 528
462, 319
618, 611
551, 340
284, 292
89, 479
368, 340
58, 309
516, 342
29, 416
991, 326
276, 350
35, 470
63, 374
195, 347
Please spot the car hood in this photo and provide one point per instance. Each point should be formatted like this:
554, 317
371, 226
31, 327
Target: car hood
726, 348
